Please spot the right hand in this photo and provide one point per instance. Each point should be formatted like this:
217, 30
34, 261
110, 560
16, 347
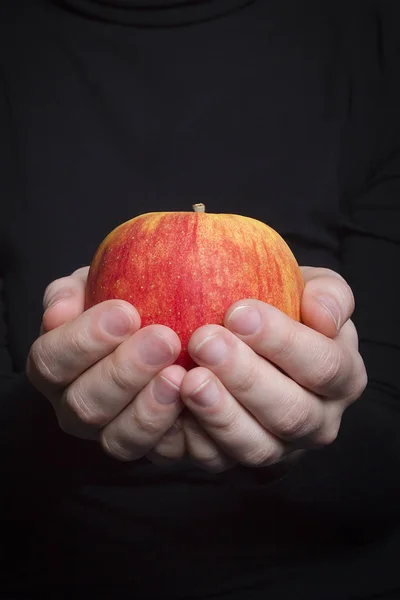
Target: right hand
106, 378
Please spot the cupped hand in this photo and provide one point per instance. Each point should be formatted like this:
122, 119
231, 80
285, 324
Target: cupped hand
106, 378
268, 386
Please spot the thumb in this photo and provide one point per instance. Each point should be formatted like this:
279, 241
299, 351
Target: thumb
64, 300
327, 301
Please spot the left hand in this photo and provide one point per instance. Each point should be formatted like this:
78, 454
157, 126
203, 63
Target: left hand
267, 385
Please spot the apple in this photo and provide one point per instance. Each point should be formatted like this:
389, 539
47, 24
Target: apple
184, 269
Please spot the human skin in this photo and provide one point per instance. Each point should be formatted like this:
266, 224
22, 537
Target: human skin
255, 398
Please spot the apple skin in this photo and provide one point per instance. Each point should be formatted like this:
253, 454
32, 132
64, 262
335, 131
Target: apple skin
185, 269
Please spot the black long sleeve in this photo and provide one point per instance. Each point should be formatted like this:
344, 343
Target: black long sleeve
356, 479
285, 111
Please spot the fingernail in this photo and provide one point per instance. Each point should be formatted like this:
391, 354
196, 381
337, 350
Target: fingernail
212, 350
245, 320
115, 321
207, 394
155, 350
331, 307
57, 297
164, 391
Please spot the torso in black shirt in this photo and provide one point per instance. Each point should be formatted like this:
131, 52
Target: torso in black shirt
269, 109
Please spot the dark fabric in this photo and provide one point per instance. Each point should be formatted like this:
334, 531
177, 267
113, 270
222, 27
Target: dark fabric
281, 110
154, 13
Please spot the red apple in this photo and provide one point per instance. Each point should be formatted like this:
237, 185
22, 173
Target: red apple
184, 269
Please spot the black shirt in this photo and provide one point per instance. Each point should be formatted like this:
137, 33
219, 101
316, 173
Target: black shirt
281, 110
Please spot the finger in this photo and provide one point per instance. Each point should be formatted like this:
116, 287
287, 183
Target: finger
277, 402
348, 338
203, 450
227, 422
348, 335
58, 357
327, 301
64, 300
170, 448
105, 389
313, 360
144, 423
63, 287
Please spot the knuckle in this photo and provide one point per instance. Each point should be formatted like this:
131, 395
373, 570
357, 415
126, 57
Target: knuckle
80, 271
326, 436
362, 379
115, 450
41, 366
298, 421
144, 422
120, 373
171, 447
148, 425
67, 423
64, 424
331, 370
246, 381
359, 380
261, 455
331, 283
79, 342
88, 414
228, 423
168, 452
54, 288
209, 459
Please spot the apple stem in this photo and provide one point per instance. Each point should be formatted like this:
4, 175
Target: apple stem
199, 207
